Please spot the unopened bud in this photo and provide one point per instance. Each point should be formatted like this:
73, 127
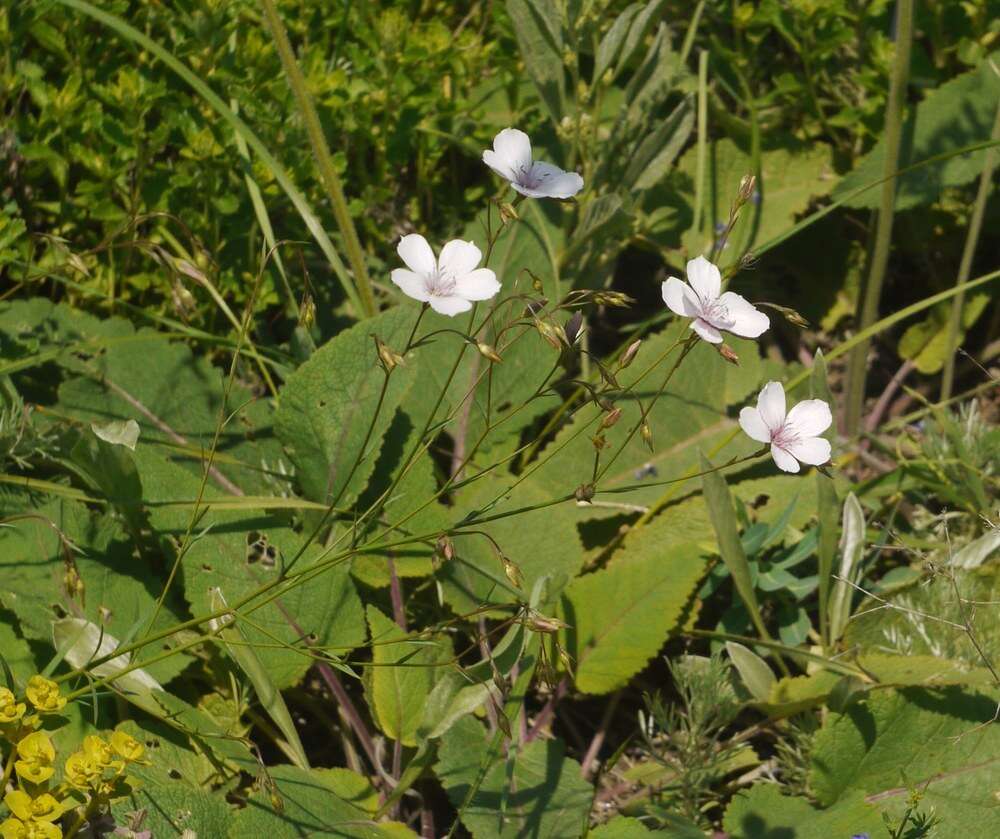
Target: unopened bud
629, 355
537, 622
600, 442
513, 572
508, 213
277, 802
445, 549
745, 192
389, 358
615, 299
551, 333
728, 354
611, 417
307, 311
647, 435
78, 264
792, 316
190, 270
487, 351
584, 493
182, 299
607, 375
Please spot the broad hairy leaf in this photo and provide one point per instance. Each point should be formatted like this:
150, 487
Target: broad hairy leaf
401, 676
538, 27
329, 404
620, 616
762, 812
540, 794
925, 343
958, 113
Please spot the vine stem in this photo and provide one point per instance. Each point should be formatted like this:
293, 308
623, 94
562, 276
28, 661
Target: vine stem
868, 311
324, 162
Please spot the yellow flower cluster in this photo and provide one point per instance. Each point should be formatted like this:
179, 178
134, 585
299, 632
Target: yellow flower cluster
34, 811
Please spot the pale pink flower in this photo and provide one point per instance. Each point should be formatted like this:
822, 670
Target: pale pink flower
794, 436
510, 158
449, 283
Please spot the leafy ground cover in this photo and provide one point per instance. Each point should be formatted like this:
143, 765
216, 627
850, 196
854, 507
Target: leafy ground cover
543, 418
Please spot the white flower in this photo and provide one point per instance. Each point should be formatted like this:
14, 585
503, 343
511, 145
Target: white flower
510, 158
794, 437
449, 283
711, 311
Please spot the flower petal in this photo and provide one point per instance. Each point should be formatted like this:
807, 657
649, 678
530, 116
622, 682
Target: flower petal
413, 285
553, 182
753, 425
512, 149
771, 404
480, 284
417, 254
459, 258
786, 463
811, 450
747, 320
680, 299
496, 163
706, 331
451, 305
810, 418
704, 278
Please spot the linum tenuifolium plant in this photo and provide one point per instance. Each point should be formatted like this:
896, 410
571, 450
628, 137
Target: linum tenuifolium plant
452, 282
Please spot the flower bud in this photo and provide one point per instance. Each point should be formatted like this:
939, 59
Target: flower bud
508, 213
584, 493
728, 354
307, 311
600, 442
746, 190
616, 299
512, 571
647, 435
611, 417
537, 622
445, 548
487, 351
551, 333
629, 355
574, 328
386, 356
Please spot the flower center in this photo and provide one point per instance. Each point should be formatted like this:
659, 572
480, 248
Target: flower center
530, 177
783, 437
715, 313
441, 283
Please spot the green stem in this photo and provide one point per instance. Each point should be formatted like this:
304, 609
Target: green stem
965, 267
868, 311
323, 160
699, 184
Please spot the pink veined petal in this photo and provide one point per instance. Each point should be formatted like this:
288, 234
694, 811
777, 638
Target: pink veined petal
753, 425
417, 254
706, 331
747, 320
680, 299
786, 463
704, 278
498, 165
458, 257
812, 450
513, 148
771, 404
451, 305
480, 284
413, 285
810, 418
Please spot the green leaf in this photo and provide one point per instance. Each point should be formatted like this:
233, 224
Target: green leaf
329, 403
827, 505
762, 812
540, 794
720, 506
538, 28
540, 542
611, 43
15, 652
931, 740
852, 547
316, 803
925, 343
977, 551
401, 676
958, 113
619, 617
118, 433
655, 155
757, 677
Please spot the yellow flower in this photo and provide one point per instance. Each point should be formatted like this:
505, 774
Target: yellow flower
36, 755
82, 771
10, 709
44, 695
17, 829
42, 808
126, 746
98, 750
